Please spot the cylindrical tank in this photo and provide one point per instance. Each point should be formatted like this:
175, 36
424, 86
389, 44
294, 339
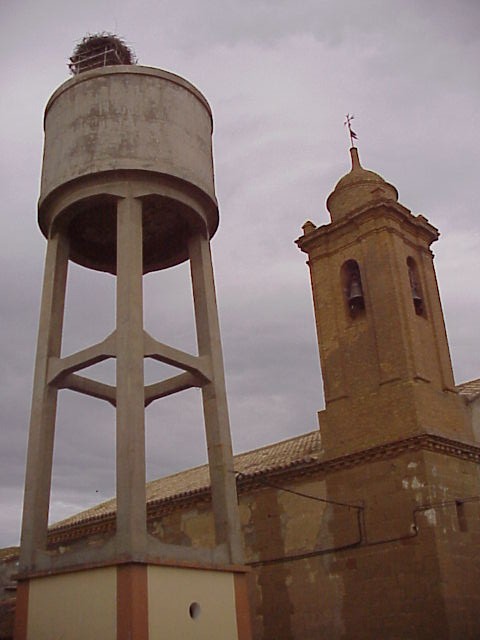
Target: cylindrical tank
128, 130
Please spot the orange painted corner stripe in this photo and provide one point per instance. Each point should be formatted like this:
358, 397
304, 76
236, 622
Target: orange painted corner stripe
132, 602
21, 611
242, 606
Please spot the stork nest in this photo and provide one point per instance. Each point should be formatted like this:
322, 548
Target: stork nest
100, 50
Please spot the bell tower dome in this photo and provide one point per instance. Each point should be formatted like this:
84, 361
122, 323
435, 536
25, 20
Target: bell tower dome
383, 347
357, 189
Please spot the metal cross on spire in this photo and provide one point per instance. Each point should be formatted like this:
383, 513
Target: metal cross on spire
348, 124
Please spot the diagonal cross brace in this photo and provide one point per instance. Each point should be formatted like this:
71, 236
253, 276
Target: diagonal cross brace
89, 387
199, 366
59, 368
172, 385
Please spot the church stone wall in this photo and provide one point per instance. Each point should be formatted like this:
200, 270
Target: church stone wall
386, 547
393, 568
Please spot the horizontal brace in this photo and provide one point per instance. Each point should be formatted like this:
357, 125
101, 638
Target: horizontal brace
198, 365
61, 367
172, 385
89, 387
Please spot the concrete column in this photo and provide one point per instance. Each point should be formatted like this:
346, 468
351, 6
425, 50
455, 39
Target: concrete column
44, 403
131, 497
215, 408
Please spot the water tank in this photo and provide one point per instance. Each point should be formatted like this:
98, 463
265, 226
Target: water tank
120, 131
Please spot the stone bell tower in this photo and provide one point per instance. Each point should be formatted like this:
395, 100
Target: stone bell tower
128, 188
383, 347
396, 439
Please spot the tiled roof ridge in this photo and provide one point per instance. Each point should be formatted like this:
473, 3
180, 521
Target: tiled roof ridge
238, 459
242, 455
9, 553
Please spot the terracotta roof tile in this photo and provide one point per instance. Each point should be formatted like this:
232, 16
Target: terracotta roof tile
304, 448
469, 390
9, 553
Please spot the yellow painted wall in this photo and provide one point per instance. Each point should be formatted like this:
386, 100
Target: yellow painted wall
74, 606
171, 591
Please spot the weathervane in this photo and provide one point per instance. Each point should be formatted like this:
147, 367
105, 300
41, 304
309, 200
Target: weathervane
348, 124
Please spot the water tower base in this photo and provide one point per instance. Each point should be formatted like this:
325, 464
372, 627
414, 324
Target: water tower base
141, 601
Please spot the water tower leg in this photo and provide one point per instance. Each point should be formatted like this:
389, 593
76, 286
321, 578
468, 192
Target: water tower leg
44, 403
215, 408
131, 497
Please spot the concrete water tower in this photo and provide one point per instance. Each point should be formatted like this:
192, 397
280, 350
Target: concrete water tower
127, 188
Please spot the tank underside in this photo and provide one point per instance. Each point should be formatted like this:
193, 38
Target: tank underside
172, 211
167, 225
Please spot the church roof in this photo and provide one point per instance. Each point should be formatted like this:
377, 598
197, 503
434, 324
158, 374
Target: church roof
279, 456
470, 390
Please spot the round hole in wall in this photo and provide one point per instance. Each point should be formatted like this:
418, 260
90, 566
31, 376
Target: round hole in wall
194, 610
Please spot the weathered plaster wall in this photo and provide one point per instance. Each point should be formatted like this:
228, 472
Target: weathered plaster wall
457, 537
8, 566
474, 410
334, 571
384, 548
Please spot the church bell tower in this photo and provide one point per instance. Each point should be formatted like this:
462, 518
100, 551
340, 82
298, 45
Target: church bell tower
383, 347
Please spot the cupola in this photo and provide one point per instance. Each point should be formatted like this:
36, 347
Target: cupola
358, 189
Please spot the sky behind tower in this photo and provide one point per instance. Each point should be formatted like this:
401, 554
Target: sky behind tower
280, 76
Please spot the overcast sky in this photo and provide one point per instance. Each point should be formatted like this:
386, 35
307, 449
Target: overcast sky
280, 76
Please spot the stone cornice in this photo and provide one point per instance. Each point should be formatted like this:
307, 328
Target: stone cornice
389, 210
426, 441
246, 482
